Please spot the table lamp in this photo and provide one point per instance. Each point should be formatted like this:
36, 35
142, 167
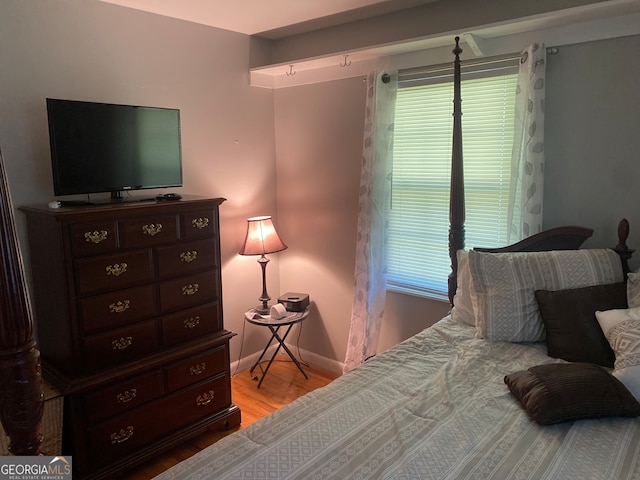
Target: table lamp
261, 239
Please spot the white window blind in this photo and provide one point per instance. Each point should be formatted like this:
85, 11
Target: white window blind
419, 223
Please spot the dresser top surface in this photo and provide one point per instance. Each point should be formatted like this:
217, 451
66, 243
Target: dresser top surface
128, 206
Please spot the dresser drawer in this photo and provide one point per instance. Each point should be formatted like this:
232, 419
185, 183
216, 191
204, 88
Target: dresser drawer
186, 258
119, 398
188, 291
198, 224
190, 324
120, 345
119, 437
196, 368
93, 238
113, 271
196, 402
143, 232
117, 308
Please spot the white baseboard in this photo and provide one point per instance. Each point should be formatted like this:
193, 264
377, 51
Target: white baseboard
245, 363
316, 360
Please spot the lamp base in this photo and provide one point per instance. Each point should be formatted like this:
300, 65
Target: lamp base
262, 310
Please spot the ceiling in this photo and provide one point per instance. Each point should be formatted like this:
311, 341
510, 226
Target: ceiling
270, 18
277, 19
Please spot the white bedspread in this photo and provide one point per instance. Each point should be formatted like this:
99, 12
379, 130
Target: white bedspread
434, 407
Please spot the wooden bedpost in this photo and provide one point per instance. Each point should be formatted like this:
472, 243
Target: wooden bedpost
621, 248
21, 394
456, 194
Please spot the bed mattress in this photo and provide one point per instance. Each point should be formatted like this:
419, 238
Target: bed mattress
434, 407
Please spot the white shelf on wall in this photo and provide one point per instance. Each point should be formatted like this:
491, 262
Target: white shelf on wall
601, 21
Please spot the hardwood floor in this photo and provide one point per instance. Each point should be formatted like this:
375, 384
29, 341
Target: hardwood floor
283, 384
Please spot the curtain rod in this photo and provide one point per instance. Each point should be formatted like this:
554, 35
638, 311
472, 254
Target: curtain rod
442, 67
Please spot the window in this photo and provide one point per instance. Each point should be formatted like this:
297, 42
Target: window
419, 223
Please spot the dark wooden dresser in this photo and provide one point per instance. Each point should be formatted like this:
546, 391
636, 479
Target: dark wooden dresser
128, 306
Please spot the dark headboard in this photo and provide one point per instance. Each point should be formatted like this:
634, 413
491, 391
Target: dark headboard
560, 238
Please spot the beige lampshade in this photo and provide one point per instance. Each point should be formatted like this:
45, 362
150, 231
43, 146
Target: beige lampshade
261, 237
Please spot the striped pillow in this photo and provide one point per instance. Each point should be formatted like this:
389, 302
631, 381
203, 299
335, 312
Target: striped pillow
633, 290
504, 286
622, 329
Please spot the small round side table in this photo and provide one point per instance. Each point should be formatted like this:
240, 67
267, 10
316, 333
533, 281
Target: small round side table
274, 326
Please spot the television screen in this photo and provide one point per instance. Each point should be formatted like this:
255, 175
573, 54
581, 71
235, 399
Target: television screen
99, 147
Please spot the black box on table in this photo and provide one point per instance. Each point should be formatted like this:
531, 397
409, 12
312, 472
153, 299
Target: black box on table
294, 302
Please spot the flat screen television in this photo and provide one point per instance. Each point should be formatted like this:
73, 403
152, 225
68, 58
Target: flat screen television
101, 147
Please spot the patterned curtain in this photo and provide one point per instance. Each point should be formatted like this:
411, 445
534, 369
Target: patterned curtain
373, 220
527, 159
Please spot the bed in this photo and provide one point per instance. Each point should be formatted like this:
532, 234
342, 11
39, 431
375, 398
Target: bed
504, 387
435, 407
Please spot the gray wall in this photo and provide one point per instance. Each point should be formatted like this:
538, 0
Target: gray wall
591, 131
90, 50
319, 132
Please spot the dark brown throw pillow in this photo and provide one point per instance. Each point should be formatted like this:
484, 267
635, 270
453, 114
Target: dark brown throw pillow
572, 330
563, 392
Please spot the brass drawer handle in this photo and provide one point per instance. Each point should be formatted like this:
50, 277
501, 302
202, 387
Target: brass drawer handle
122, 343
198, 368
205, 399
122, 436
152, 229
200, 223
119, 306
192, 322
190, 289
116, 269
95, 236
126, 396
189, 256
